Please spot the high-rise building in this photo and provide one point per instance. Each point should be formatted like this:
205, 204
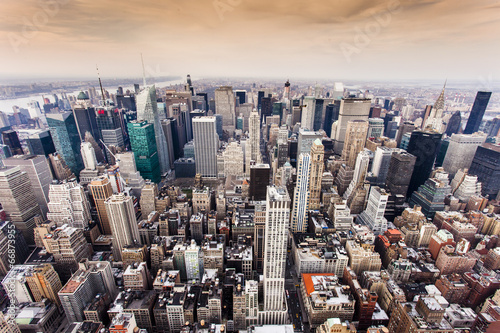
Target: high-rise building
225, 106
259, 180
88, 156
18, 200
276, 234
85, 117
69, 205
355, 139
406, 127
308, 111
454, 124
477, 112
11, 139
147, 109
41, 143
399, 174
92, 278
66, 140
101, 190
350, 109
375, 128
331, 116
233, 160
128, 170
316, 174
253, 143
38, 171
143, 144
424, 145
123, 222
148, 196
301, 195
373, 215
461, 151
430, 196
306, 139
44, 282
486, 166
381, 164
206, 145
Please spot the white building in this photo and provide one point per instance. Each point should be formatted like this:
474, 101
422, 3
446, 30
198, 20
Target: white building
225, 106
88, 156
461, 151
373, 215
233, 160
68, 205
194, 262
301, 195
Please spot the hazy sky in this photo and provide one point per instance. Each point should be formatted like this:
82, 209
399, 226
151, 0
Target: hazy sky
332, 39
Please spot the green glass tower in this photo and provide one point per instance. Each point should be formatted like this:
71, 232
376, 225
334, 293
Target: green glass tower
143, 143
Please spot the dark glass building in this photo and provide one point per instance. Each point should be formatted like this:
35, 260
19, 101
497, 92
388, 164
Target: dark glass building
424, 145
11, 139
399, 173
477, 112
143, 143
486, 166
454, 124
331, 116
259, 180
318, 113
66, 139
241, 96
86, 122
41, 143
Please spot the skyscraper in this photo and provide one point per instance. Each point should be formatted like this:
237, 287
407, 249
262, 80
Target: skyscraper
206, 145
121, 214
316, 174
276, 234
85, 117
308, 110
41, 143
259, 180
477, 112
486, 166
66, 139
225, 106
373, 215
301, 195
143, 144
147, 109
350, 109
461, 151
101, 190
381, 162
69, 205
38, 171
88, 156
399, 173
424, 145
11, 139
18, 200
253, 151
355, 139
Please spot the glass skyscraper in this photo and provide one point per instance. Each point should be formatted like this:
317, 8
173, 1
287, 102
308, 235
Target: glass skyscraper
477, 112
143, 143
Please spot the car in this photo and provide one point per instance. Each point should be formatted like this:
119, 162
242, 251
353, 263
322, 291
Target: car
297, 315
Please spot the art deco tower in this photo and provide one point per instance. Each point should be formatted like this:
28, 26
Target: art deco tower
316, 174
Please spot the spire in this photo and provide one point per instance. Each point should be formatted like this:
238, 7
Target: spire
143, 72
439, 105
100, 85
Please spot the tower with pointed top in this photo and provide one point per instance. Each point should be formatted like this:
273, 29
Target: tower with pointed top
435, 119
147, 109
316, 174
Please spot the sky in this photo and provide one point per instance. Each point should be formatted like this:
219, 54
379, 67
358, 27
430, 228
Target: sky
323, 39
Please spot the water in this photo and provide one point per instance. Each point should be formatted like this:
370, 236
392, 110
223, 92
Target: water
7, 104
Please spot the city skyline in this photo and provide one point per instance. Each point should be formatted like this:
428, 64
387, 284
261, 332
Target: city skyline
319, 39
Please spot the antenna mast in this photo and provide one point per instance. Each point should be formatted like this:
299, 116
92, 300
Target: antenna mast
143, 72
100, 84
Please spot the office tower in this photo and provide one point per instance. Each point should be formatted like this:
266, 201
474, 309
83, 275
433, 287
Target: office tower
148, 194
424, 145
308, 111
101, 190
193, 255
400, 172
275, 250
88, 156
10, 234
373, 215
38, 171
69, 205
266, 108
406, 127
64, 133
316, 174
454, 124
254, 139
233, 160
259, 180
301, 195
168, 125
18, 200
331, 116
355, 138
11, 139
241, 96
259, 236
92, 278
461, 151
110, 128
381, 162
44, 282
486, 166
350, 109
123, 222
85, 117
225, 106
128, 171
206, 145
435, 118
375, 128
147, 110
306, 139
34, 109
143, 144
477, 112
430, 196
41, 143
